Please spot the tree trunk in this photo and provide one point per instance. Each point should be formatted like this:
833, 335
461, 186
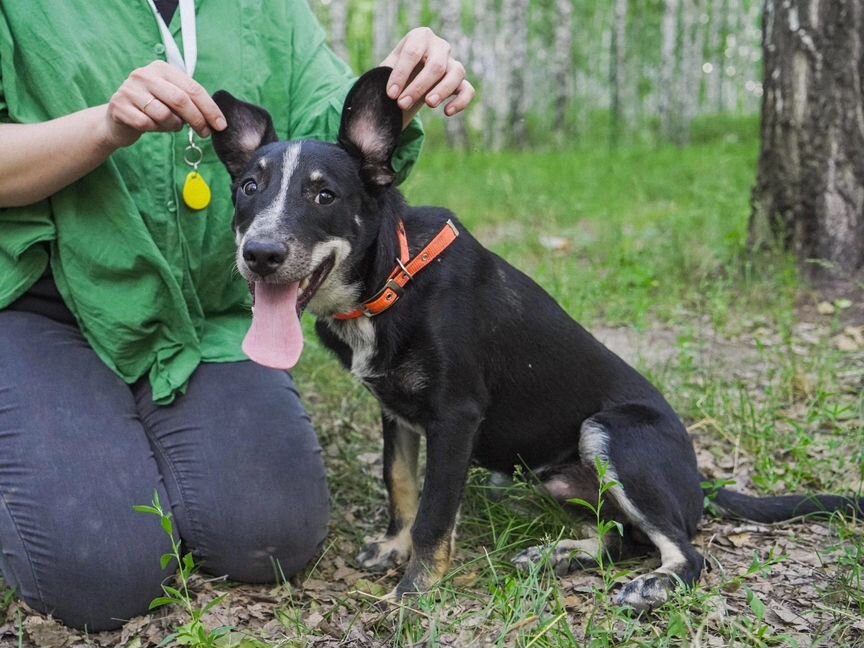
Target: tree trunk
693, 51
512, 51
384, 27
562, 65
451, 29
339, 27
414, 13
716, 45
668, 67
617, 80
809, 195
483, 64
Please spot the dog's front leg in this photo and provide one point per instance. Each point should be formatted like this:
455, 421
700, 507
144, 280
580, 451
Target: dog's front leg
401, 448
449, 444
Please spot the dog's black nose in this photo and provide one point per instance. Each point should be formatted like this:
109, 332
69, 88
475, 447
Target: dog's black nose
264, 256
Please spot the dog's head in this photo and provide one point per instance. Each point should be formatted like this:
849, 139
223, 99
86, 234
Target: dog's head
303, 208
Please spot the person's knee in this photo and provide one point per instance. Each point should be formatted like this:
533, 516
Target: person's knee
270, 535
96, 589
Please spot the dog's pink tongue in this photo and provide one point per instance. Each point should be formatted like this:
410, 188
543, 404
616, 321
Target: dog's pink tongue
275, 338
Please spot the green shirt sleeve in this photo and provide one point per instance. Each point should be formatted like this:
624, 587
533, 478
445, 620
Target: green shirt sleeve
320, 80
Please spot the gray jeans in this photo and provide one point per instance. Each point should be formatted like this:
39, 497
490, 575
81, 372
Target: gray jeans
235, 457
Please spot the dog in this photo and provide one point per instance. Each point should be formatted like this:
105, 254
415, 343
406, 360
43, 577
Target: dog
462, 350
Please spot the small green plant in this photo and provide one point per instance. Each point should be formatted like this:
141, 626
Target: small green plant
194, 633
604, 527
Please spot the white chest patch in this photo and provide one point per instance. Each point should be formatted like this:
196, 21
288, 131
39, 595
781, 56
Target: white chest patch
403, 422
359, 334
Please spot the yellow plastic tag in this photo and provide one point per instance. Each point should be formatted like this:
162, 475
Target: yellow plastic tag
196, 192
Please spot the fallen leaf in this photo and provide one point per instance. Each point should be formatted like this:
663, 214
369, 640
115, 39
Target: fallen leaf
845, 343
556, 243
825, 308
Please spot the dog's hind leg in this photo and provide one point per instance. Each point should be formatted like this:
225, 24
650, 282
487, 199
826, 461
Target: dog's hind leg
568, 484
401, 449
653, 483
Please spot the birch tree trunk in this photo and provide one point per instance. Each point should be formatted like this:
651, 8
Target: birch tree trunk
735, 22
809, 194
562, 65
413, 13
716, 35
339, 27
617, 67
668, 65
512, 52
483, 63
518, 71
451, 29
691, 68
384, 28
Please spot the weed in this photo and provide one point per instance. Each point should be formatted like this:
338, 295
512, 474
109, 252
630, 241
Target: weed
193, 633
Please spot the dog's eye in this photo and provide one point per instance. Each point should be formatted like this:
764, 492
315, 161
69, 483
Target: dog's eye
249, 187
325, 197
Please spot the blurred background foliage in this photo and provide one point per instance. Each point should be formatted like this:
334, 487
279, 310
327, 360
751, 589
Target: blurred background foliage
562, 73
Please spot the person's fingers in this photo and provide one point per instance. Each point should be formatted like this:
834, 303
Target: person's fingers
198, 95
180, 103
412, 51
129, 115
164, 118
435, 64
447, 86
464, 95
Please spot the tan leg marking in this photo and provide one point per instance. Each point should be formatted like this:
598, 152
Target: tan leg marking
395, 549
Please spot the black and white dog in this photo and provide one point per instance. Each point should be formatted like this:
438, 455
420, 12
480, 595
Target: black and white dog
471, 355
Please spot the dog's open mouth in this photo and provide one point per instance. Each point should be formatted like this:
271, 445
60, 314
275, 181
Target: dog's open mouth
275, 338
310, 284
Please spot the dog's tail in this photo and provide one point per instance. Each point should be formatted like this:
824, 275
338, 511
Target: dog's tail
783, 507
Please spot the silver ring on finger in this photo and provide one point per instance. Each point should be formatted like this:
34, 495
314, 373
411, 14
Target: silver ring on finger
148, 102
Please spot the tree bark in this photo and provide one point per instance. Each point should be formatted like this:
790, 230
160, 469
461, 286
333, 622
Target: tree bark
691, 67
339, 27
562, 64
451, 29
512, 52
617, 80
384, 28
716, 46
414, 13
809, 195
668, 67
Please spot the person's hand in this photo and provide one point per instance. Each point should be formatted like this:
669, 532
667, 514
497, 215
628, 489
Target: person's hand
159, 98
425, 71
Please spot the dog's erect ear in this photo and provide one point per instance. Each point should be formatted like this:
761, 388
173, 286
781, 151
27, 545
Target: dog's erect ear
249, 128
371, 125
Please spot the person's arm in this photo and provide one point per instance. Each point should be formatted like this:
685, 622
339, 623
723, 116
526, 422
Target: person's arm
37, 160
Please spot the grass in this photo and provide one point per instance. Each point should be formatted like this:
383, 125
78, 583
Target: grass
649, 232
651, 238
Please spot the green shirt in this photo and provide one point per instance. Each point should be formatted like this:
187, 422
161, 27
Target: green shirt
150, 282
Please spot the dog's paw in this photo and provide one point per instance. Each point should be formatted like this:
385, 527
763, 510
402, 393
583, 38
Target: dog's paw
646, 592
563, 557
384, 554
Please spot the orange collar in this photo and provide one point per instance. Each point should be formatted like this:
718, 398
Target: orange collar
404, 271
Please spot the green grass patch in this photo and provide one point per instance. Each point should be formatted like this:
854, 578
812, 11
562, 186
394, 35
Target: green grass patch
621, 237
